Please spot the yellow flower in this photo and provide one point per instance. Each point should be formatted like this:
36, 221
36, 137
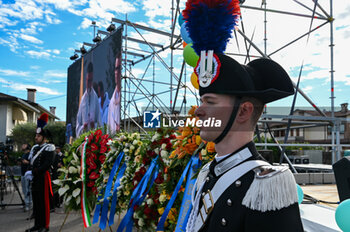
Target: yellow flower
186, 131
161, 210
172, 155
127, 192
198, 140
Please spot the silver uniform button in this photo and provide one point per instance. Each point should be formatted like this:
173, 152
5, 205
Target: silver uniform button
238, 183
207, 179
223, 221
229, 202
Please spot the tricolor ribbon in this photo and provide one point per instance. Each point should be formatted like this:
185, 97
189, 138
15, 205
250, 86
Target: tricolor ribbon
83, 199
194, 162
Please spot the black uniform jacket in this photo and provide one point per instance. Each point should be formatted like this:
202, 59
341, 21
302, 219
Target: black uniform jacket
229, 214
41, 164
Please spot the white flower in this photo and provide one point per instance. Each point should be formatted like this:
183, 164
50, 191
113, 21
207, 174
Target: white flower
163, 146
141, 222
72, 170
150, 201
57, 182
126, 151
135, 182
127, 145
76, 181
156, 151
68, 199
65, 170
135, 215
63, 190
165, 177
76, 192
134, 142
132, 147
75, 157
77, 200
204, 152
109, 143
154, 138
162, 198
164, 154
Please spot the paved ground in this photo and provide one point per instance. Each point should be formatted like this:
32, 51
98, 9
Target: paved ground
13, 218
325, 192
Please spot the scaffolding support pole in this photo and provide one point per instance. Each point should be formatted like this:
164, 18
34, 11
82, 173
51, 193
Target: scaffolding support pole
282, 12
334, 158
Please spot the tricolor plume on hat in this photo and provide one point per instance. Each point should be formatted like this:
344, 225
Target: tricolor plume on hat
41, 123
210, 24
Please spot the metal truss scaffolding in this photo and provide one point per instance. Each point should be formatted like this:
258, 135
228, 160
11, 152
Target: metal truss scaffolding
151, 91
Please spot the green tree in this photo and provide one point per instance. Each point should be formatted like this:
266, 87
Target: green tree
23, 133
58, 133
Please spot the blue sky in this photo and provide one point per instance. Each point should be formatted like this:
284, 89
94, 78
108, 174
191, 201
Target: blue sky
37, 37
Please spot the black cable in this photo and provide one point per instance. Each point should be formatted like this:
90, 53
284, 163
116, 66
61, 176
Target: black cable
316, 201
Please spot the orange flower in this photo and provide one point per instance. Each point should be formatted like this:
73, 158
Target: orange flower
210, 147
190, 148
192, 110
196, 130
181, 155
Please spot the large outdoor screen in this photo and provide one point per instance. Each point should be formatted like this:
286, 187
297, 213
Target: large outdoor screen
94, 88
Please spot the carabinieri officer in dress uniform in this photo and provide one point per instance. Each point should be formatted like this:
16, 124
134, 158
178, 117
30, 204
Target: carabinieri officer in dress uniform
41, 157
237, 191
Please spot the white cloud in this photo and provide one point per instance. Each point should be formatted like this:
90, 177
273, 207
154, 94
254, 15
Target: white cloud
4, 81
9, 72
102, 11
55, 73
307, 89
35, 67
11, 42
54, 51
23, 87
36, 54
31, 28
31, 39
155, 8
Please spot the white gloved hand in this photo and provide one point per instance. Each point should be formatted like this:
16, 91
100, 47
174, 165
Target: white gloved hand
28, 175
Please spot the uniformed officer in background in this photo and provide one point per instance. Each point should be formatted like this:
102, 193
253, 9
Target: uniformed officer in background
237, 191
41, 157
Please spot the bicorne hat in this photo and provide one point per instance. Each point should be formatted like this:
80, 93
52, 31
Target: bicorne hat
210, 24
